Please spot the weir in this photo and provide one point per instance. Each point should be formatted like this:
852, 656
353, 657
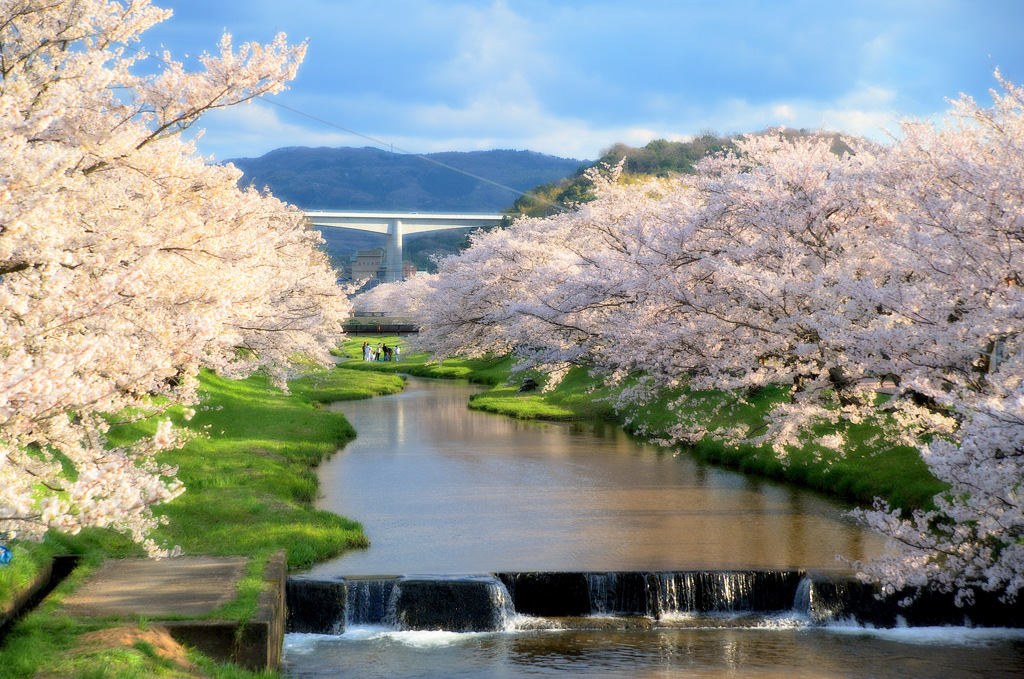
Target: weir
558, 599
450, 603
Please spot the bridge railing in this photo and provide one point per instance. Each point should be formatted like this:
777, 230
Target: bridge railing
381, 328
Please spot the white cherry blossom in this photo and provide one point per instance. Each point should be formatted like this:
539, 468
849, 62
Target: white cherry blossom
127, 262
785, 263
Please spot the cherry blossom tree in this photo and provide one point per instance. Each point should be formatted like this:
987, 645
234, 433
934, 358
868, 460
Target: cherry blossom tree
398, 298
784, 263
955, 220
127, 262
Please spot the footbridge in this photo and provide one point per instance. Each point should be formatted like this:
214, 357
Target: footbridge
395, 225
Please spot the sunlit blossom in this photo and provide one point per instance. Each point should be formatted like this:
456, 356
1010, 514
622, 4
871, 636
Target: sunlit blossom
127, 263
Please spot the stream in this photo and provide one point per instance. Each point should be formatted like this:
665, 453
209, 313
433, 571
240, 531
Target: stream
445, 492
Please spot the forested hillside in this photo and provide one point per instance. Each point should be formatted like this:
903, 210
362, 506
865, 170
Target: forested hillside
372, 179
658, 158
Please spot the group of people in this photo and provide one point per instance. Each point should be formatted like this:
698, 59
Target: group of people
381, 352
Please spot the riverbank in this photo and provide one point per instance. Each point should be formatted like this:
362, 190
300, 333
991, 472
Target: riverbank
897, 474
251, 484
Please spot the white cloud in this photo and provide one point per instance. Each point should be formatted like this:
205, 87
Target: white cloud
870, 95
783, 112
573, 78
862, 112
492, 120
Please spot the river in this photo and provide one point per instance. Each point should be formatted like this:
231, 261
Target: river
443, 490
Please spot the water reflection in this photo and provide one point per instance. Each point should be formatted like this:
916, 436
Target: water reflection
441, 489
817, 653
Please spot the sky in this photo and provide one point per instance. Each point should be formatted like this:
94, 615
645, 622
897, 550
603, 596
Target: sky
572, 77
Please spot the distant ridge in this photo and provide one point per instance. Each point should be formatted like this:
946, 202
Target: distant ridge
371, 179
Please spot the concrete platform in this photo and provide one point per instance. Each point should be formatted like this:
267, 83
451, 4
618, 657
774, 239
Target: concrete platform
191, 587
185, 586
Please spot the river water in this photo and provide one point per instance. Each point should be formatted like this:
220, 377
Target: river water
444, 490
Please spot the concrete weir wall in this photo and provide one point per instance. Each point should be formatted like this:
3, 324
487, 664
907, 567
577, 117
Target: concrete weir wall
255, 645
183, 595
487, 603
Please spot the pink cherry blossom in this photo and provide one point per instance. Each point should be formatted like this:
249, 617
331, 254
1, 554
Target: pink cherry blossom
826, 273
127, 262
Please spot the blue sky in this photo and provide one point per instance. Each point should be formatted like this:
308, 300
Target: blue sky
571, 78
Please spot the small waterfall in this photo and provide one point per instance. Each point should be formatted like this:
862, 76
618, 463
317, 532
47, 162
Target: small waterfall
491, 602
823, 601
455, 604
827, 599
691, 592
725, 591
368, 600
619, 593
501, 602
802, 598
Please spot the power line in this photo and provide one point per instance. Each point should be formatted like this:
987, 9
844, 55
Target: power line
379, 142
394, 148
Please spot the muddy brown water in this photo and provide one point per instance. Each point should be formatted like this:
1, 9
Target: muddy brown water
443, 489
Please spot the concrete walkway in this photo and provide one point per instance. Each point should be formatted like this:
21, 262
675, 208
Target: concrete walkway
167, 590
179, 587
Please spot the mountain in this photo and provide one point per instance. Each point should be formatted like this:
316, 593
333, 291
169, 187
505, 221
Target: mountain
372, 179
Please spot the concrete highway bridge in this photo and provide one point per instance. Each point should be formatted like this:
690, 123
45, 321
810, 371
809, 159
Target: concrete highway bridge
395, 225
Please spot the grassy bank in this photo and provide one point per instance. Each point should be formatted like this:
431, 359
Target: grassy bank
251, 484
859, 475
503, 397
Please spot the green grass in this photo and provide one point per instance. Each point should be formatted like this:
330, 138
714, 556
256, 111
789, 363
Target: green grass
39, 639
26, 562
862, 472
576, 397
251, 484
484, 371
251, 480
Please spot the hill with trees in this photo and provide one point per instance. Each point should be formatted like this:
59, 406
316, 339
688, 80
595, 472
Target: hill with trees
658, 158
372, 179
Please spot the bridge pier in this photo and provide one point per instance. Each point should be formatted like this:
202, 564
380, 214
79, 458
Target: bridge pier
393, 244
